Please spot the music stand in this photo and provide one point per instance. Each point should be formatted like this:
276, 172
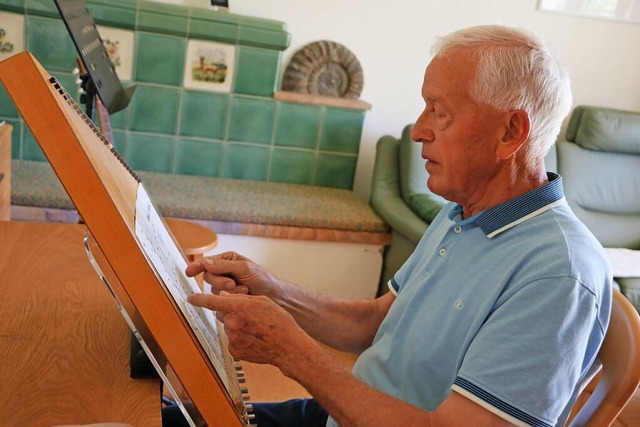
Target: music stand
101, 77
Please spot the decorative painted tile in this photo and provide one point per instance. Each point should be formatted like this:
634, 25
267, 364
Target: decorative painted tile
209, 66
11, 34
119, 45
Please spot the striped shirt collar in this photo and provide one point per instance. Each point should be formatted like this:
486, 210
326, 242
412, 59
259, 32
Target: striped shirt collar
495, 220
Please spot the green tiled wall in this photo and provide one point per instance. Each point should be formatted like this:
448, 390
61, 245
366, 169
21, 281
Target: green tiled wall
244, 134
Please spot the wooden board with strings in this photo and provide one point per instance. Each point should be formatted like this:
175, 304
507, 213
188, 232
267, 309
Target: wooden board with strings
104, 190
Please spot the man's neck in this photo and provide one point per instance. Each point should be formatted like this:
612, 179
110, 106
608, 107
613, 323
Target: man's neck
501, 190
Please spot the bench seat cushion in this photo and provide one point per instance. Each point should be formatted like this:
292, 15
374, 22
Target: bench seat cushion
219, 199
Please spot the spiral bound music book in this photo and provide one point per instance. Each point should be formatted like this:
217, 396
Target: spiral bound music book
132, 250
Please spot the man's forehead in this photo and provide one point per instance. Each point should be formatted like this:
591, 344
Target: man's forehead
443, 83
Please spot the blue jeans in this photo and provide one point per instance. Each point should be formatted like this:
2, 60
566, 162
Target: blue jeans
292, 413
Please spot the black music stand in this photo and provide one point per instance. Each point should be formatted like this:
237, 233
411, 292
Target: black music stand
100, 77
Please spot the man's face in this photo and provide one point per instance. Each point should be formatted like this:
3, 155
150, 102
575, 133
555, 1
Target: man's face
458, 135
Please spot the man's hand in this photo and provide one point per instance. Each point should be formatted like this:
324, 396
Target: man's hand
344, 324
258, 330
233, 273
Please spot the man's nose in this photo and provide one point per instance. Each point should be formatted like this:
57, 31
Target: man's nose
420, 132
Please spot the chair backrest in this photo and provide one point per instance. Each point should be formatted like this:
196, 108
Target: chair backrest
599, 160
620, 374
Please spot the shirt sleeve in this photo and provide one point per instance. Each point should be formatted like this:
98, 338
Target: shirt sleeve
524, 373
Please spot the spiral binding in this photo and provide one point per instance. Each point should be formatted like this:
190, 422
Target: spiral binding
248, 416
92, 126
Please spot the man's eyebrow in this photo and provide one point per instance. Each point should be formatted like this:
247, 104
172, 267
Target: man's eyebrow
433, 99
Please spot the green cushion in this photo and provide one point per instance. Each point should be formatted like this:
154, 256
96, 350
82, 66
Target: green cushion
35, 184
426, 206
630, 287
612, 131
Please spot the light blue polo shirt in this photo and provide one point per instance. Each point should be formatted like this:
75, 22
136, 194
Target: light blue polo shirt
508, 308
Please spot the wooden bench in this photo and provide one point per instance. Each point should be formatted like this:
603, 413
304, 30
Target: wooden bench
273, 212
228, 206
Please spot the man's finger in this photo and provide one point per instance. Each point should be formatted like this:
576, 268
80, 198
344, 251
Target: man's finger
194, 268
208, 264
212, 302
223, 267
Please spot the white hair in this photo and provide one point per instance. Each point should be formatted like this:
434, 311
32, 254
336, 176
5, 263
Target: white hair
516, 72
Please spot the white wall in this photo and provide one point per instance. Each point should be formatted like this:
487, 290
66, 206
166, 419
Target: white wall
392, 42
348, 270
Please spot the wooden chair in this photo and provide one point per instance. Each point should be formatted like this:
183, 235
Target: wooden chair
611, 389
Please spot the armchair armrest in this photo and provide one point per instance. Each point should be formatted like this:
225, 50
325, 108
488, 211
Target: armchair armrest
386, 199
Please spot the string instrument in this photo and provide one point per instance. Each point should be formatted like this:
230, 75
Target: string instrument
131, 249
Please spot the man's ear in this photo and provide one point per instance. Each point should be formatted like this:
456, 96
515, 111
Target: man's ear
514, 133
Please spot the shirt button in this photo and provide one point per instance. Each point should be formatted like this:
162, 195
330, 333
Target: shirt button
442, 251
457, 229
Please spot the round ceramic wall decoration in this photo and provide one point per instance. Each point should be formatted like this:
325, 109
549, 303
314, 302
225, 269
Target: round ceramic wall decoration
324, 68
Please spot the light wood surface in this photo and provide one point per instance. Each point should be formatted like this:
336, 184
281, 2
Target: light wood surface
194, 239
64, 347
5, 172
329, 101
297, 233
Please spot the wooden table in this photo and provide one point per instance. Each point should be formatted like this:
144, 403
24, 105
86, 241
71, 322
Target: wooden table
64, 347
5, 172
194, 239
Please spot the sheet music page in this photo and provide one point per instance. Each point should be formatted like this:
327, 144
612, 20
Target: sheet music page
170, 265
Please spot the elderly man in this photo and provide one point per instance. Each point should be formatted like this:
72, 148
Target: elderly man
497, 316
